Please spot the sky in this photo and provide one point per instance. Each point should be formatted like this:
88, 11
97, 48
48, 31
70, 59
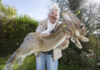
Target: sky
37, 9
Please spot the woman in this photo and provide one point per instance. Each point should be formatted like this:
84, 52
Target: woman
50, 58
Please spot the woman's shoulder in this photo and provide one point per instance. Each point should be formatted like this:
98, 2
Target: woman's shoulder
43, 21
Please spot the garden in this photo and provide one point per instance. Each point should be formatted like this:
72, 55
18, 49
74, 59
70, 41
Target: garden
14, 29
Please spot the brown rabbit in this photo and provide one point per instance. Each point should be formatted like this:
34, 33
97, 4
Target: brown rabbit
34, 42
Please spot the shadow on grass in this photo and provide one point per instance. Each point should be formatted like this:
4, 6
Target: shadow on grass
30, 64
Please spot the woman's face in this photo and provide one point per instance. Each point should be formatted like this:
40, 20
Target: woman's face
53, 16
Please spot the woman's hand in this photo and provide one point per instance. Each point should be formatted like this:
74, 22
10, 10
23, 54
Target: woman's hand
68, 36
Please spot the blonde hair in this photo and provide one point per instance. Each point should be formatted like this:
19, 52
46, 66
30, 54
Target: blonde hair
54, 7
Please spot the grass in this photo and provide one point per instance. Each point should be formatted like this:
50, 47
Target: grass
30, 64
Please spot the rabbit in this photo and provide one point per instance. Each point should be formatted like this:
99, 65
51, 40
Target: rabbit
34, 42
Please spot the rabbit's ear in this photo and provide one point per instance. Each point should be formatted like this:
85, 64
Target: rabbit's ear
76, 42
66, 16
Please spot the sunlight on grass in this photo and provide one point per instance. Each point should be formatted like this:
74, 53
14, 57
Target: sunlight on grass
28, 63
3, 61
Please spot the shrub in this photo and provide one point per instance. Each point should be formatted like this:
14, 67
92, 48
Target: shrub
13, 32
70, 57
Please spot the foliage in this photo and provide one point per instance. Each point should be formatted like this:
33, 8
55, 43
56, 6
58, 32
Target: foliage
70, 57
6, 12
13, 32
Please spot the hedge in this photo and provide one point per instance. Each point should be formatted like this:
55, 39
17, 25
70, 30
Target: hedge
13, 32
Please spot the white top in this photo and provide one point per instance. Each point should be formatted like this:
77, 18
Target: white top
50, 27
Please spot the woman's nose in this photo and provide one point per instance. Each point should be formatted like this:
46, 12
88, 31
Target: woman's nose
54, 15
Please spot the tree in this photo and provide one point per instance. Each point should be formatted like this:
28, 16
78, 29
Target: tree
6, 12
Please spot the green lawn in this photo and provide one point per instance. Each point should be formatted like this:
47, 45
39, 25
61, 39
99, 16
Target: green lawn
30, 64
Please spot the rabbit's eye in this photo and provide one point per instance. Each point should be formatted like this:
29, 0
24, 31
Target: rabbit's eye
81, 26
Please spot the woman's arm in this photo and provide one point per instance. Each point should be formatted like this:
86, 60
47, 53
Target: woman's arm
38, 29
65, 44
